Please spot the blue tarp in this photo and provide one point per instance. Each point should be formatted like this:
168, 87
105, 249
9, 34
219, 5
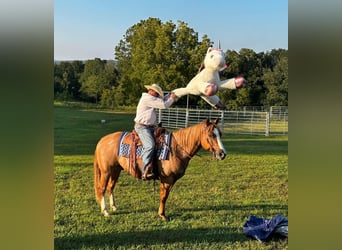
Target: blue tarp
261, 228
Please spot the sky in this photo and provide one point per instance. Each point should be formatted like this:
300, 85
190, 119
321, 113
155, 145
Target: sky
85, 29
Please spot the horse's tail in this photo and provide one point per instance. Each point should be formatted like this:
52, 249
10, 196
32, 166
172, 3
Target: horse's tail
97, 176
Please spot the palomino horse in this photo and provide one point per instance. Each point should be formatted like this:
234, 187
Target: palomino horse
184, 145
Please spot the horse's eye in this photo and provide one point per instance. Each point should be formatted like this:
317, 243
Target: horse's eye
212, 135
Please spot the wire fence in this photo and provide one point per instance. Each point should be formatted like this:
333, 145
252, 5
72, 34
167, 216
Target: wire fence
272, 122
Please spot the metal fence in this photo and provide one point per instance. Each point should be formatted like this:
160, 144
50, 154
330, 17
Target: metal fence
273, 122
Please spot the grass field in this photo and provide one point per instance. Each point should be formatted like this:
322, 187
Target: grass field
206, 208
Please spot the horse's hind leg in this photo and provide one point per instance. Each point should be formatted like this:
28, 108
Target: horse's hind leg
111, 184
104, 181
100, 183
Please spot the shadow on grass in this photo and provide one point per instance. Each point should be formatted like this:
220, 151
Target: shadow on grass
152, 237
242, 209
178, 213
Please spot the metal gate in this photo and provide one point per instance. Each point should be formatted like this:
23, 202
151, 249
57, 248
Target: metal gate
234, 122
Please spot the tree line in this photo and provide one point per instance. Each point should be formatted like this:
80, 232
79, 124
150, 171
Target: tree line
170, 54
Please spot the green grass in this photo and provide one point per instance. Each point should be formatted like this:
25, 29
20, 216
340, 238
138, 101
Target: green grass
206, 209
78, 130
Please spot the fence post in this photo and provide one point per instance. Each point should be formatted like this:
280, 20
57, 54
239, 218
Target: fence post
267, 132
186, 118
222, 121
159, 115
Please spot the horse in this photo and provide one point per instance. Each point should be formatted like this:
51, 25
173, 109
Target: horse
185, 143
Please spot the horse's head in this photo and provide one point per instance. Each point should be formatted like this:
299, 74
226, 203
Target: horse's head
211, 139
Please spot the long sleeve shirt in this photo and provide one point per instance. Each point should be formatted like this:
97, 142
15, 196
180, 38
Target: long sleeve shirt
146, 113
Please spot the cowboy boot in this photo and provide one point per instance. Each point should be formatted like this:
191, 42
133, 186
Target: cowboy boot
148, 173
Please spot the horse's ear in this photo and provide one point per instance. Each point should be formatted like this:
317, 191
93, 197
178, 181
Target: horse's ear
216, 120
207, 121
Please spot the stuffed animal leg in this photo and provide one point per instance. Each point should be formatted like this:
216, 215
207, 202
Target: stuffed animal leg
185, 91
203, 88
213, 101
232, 83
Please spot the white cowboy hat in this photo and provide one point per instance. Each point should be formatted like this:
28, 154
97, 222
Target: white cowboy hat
156, 88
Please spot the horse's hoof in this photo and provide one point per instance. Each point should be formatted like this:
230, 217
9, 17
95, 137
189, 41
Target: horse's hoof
105, 213
114, 209
163, 217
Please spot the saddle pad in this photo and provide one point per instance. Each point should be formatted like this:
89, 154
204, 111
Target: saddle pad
164, 150
162, 154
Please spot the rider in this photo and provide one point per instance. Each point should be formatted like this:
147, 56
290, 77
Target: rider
145, 122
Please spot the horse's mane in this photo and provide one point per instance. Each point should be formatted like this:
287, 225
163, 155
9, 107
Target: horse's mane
189, 137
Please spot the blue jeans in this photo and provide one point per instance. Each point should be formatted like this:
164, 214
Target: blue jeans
147, 139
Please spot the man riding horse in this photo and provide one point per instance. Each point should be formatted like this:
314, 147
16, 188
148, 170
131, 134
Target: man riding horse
146, 120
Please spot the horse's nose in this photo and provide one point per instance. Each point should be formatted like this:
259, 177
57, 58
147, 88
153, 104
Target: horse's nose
221, 155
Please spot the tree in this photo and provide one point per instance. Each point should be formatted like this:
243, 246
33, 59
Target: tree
77, 67
266, 75
98, 76
156, 52
66, 80
276, 82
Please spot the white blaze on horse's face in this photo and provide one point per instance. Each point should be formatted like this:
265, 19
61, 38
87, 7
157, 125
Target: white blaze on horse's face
216, 132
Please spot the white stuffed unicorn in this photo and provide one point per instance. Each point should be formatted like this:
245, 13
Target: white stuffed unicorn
207, 82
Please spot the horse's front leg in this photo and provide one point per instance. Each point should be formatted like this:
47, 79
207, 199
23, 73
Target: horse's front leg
165, 189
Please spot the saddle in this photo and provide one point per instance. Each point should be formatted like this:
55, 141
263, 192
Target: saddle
134, 141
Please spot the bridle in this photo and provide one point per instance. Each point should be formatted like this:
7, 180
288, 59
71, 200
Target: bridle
211, 147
